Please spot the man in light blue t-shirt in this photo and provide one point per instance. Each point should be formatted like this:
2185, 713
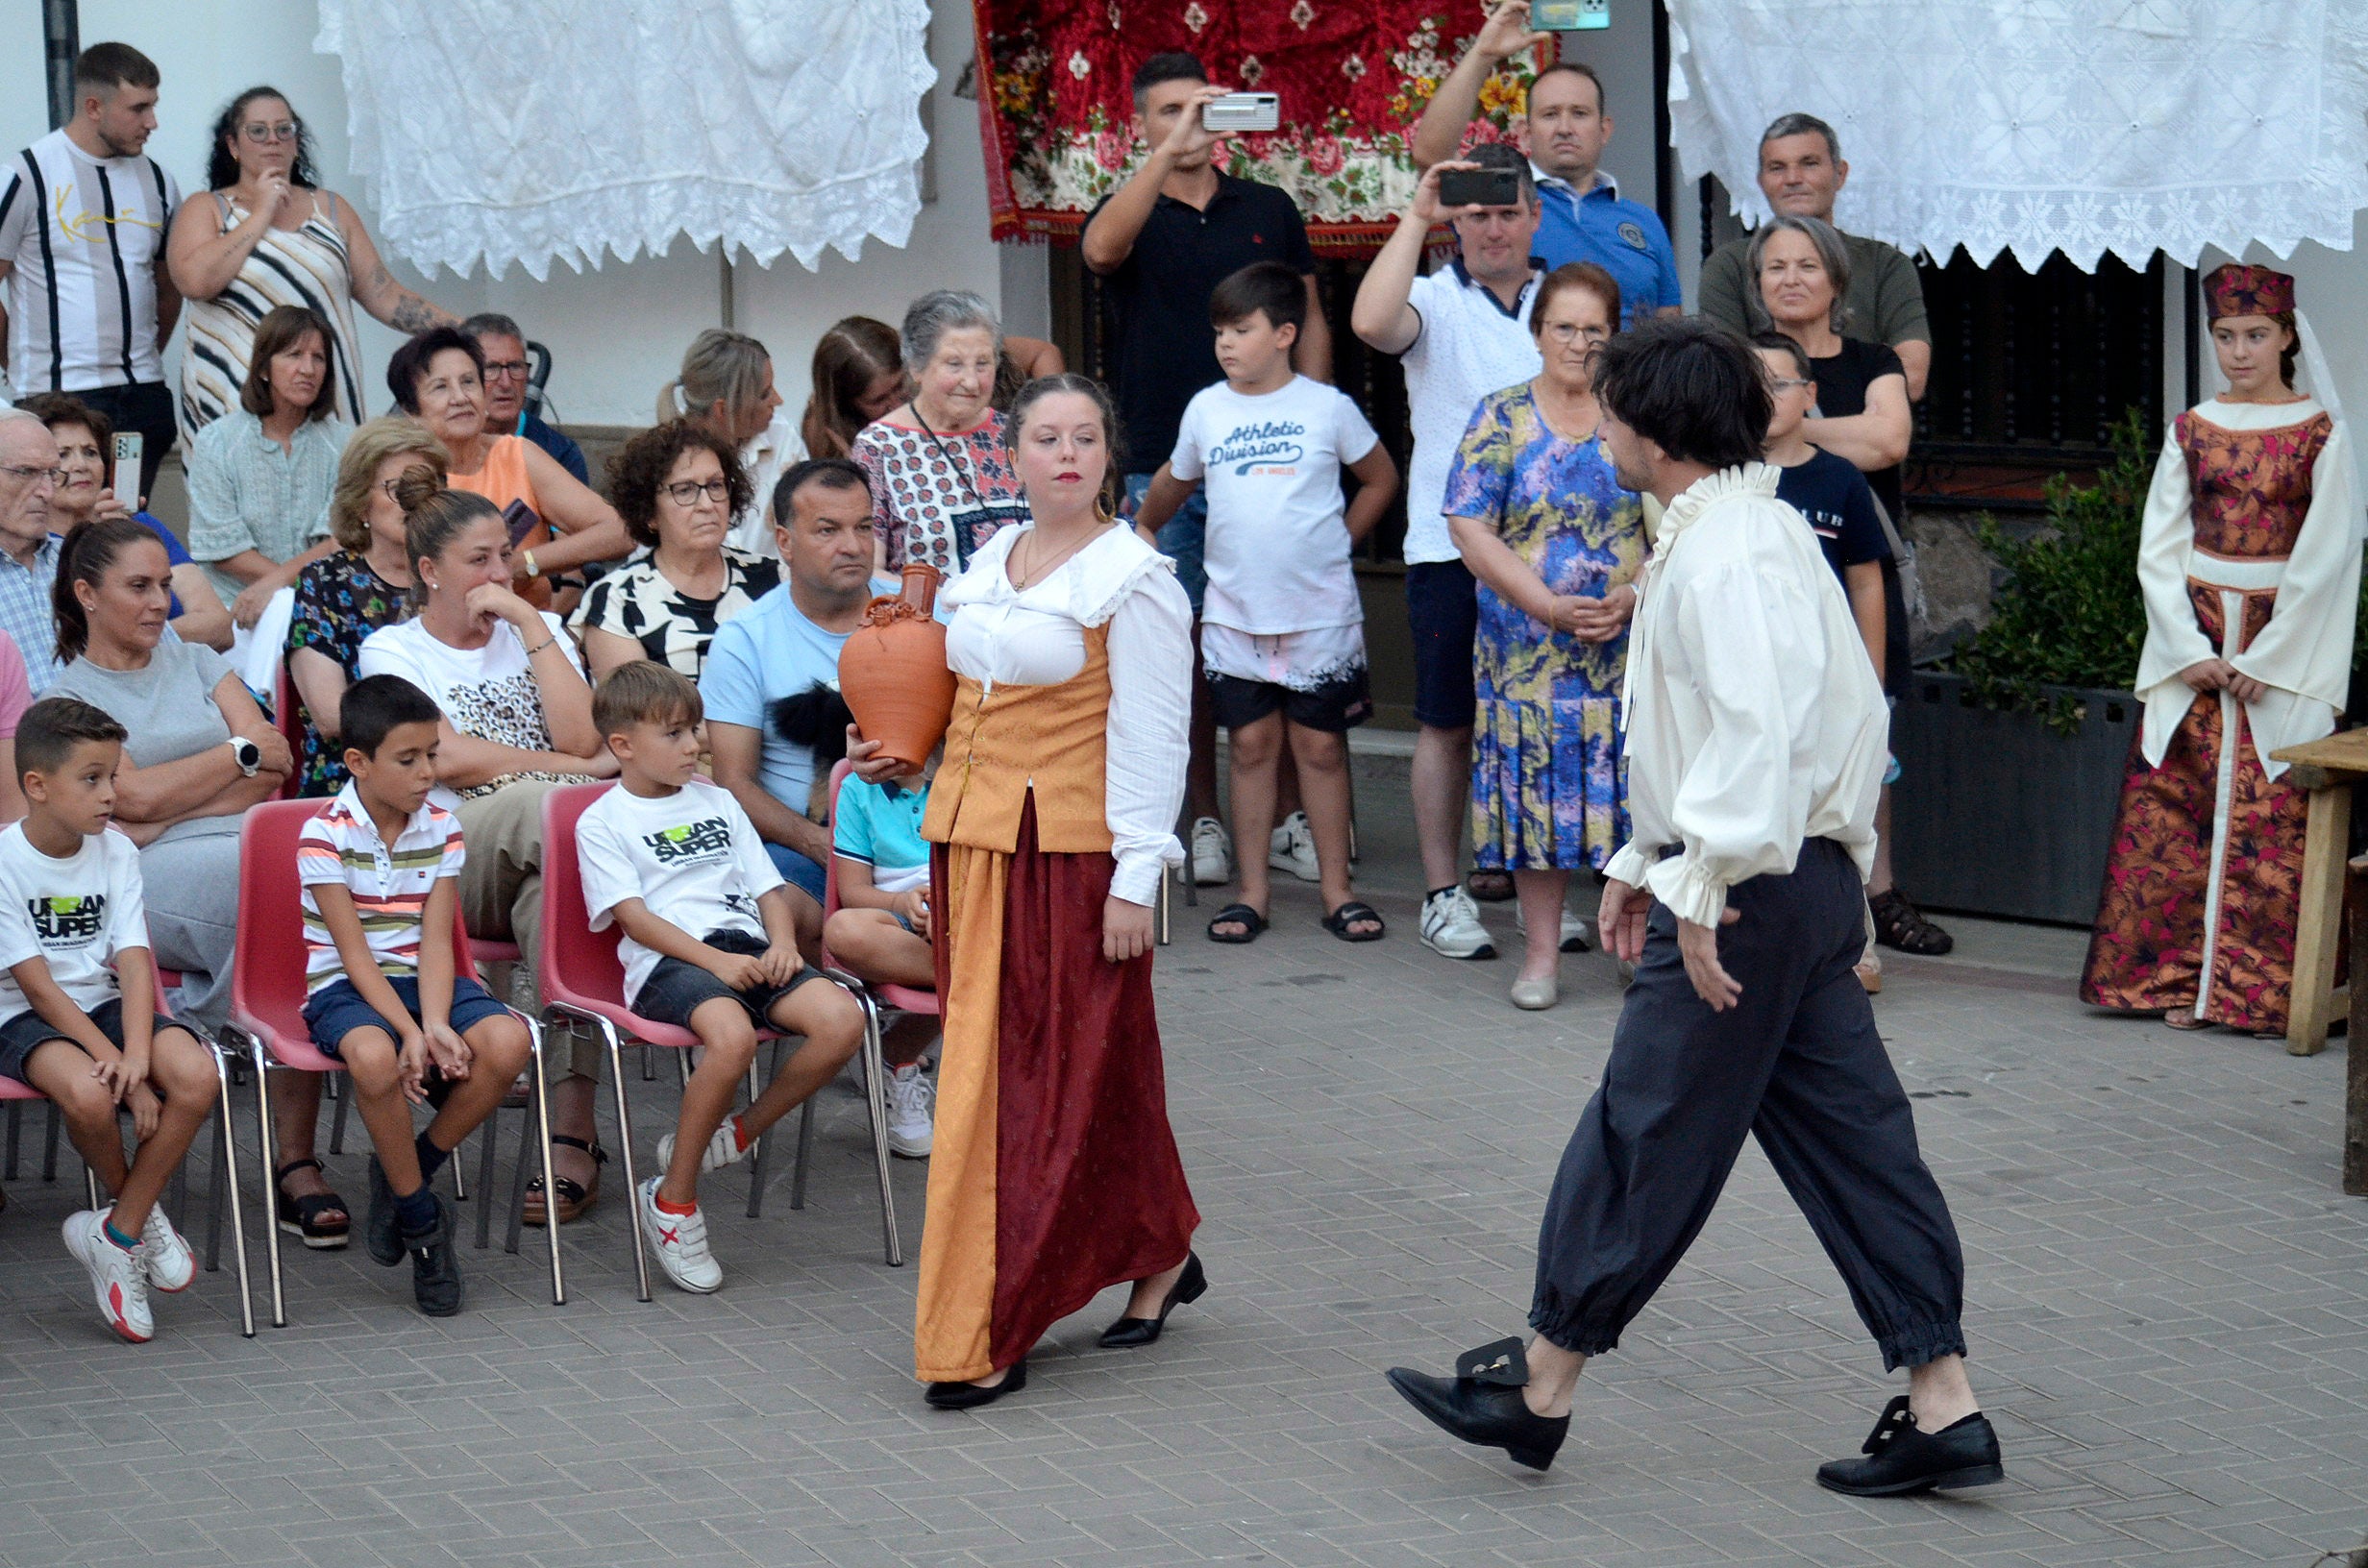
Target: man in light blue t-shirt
785, 645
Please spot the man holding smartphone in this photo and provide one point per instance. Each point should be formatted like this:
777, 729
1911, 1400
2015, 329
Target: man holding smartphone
82, 216
1582, 215
1161, 242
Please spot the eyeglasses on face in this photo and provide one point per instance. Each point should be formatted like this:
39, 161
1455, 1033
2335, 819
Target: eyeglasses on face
687, 492
1788, 384
1563, 331
514, 369
35, 475
263, 136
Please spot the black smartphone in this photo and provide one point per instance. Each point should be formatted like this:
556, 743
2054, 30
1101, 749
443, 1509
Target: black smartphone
521, 518
1479, 187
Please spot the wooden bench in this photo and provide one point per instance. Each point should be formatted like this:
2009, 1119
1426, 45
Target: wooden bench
2326, 769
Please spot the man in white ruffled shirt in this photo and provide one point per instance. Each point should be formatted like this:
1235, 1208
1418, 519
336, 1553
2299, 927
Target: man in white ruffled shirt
1756, 737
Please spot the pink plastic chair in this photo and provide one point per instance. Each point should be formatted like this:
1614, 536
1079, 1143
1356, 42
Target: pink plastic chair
583, 979
224, 1181
267, 1002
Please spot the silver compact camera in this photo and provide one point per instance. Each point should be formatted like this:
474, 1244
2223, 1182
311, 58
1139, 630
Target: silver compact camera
1242, 111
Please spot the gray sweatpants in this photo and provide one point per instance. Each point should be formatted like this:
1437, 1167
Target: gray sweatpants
1795, 1063
189, 883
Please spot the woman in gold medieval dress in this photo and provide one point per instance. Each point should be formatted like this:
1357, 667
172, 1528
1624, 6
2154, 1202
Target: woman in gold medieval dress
2249, 561
1054, 1174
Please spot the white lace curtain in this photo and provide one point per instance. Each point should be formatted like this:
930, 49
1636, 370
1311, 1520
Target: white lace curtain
529, 130
2036, 124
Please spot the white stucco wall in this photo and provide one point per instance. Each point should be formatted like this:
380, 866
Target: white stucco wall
616, 335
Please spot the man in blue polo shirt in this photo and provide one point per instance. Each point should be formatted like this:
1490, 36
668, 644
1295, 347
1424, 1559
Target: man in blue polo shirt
1582, 215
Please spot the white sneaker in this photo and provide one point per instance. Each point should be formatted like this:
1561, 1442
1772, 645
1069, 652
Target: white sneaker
171, 1264
912, 1111
118, 1278
1212, 854
723, 1149
679, 1241
1452, 925
1578, 936
1292, 849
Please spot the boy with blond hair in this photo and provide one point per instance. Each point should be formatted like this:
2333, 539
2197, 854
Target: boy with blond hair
709, 946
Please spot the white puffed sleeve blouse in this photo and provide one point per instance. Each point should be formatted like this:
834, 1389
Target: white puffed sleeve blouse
999, 635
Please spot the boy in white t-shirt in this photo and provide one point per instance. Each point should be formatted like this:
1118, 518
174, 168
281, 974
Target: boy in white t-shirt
1282, 631
709, 946
78, 994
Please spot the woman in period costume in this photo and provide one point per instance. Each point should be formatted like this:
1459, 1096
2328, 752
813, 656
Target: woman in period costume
2249, 560
1054, 1174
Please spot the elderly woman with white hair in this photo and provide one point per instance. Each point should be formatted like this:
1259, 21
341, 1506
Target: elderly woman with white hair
942, 481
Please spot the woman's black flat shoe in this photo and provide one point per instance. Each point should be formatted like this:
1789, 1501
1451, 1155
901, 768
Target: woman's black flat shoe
970, 1396
1130, 1333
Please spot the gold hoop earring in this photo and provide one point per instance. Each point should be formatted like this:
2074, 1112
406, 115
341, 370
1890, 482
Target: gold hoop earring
1102, 508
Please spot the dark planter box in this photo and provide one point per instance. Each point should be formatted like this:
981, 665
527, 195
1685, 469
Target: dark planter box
1997, 814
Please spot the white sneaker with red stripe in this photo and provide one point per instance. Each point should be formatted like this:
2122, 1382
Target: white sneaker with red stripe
118, 1276
171, 1264
679, 1241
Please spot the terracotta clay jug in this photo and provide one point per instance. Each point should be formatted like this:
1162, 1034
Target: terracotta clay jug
893, 672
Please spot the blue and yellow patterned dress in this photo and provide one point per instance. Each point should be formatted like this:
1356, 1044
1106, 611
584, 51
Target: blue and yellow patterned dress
1547, 790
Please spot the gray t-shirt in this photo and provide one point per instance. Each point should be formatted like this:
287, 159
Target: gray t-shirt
1887, 301
168, 709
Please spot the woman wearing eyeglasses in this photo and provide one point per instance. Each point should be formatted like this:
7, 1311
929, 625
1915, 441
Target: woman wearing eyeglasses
1540, 517
270, 236
678, 486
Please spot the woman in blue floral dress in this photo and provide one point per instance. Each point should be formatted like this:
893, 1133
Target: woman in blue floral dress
345, 596
1556, 544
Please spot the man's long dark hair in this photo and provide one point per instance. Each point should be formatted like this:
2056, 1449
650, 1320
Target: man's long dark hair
1689, 387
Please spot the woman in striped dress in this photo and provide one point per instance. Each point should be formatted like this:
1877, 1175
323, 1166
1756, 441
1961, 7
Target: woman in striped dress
266, 235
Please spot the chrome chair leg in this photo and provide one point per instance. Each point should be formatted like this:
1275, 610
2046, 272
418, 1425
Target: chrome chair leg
16, 1122
624, 1153
805, 1157
49, 1146
90, 1188
271, 1188
875, 1105
226, 1174
489, 1134
759, 1169
336, 1087
540, 1130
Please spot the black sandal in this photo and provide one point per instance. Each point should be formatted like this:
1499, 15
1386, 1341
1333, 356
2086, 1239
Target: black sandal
575, 1197
1898, 925
1351, 913
301, 1216
1242, 915
1490, 887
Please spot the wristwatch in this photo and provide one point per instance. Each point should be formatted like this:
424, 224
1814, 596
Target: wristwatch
249, 754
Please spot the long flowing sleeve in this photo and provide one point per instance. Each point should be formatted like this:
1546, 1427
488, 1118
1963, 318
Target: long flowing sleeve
2304, 656
2166, 533
1743, 803
1151, 650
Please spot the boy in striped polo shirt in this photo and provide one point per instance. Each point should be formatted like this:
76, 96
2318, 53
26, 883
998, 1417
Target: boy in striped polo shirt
387, 995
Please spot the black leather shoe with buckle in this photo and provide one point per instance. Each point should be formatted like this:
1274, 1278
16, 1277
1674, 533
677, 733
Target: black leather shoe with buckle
1899, 1458
1482, 1404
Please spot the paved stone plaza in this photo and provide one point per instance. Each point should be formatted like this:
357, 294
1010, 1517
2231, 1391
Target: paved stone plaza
2169, 1315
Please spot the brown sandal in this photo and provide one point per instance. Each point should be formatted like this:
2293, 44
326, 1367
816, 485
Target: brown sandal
575, 1197
2184, 1020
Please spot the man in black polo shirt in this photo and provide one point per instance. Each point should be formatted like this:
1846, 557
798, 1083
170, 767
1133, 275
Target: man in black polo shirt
1161, 242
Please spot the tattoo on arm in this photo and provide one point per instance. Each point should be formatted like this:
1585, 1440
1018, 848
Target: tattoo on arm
413, 314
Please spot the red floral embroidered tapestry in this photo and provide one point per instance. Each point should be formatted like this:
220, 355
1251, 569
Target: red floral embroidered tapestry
1352, 77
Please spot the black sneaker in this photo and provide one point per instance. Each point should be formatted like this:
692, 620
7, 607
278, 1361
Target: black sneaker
435, 1265
1900, 1460
382, 1236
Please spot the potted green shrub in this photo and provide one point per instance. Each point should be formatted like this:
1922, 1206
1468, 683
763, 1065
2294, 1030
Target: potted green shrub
2011, 758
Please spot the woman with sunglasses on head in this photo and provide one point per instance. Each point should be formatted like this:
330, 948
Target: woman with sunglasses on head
268, 235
